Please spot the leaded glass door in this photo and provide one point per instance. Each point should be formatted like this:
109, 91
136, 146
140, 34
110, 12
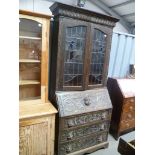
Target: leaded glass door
99, 54
73, 52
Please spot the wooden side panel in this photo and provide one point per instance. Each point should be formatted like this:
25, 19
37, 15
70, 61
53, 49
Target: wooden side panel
37, 136
45, 55
33, 139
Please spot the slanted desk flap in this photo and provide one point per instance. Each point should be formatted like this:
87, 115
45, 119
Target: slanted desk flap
77, 102
127, 87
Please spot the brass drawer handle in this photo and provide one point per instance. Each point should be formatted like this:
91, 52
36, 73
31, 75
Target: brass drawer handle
68, 149
70, 123
70, 136
99, 139
131, 100
131, 107
87, 101
127, 125
129, 116
102, 127
104, 115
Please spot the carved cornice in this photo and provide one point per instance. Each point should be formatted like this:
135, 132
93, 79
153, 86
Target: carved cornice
59, 9
88, 18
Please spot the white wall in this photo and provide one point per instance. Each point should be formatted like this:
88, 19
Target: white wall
42, 6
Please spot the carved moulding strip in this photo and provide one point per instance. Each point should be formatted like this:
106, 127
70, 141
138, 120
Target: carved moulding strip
89, 18
80, 144
60, 9
83, 131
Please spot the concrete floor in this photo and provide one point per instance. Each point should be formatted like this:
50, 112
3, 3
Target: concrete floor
113, 144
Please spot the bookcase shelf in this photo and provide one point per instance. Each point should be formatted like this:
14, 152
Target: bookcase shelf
29, 61
28, 37
28, 82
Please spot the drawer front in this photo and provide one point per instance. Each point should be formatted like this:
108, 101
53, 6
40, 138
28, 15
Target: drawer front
82, 143
124, 125
86, 118
72, 134
129, 104
127, 116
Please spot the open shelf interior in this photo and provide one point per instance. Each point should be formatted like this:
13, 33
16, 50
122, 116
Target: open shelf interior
29, 92
30, 41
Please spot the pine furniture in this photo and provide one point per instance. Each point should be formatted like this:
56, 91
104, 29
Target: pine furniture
36, 113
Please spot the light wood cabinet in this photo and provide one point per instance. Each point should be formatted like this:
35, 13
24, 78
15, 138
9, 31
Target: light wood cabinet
37, 129
36, 113
33, 56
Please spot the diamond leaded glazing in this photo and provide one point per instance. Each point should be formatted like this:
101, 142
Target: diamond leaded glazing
74, 51
97, 57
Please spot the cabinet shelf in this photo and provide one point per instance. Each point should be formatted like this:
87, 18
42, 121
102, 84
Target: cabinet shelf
28, 82
29, 61
27, 37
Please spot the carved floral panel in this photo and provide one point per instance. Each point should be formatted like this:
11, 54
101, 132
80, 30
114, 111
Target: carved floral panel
87, 118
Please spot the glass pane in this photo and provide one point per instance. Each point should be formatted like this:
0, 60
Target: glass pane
97, 57
74, 51
30, 40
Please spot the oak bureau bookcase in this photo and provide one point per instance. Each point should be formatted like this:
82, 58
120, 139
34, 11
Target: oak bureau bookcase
36, 113
81, 43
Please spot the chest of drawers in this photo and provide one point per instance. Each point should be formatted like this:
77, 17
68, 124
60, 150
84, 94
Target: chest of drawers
84, 121
122, 95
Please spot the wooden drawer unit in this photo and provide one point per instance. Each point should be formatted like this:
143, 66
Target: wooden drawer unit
85, 123
125, 125
36, 129
128, 115
128, 105
122, 95
81, 131
126, 145
86, 118
82, 143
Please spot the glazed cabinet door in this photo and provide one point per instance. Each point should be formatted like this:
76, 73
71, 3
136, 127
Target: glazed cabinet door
33, 54
99, 56
30, 36
73, 54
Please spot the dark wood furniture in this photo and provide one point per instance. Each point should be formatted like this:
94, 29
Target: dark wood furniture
80, 48
122, 95
79, 57
126, 145
84, 121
